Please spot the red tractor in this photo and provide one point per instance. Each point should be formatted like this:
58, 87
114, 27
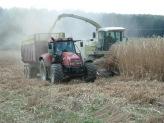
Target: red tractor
60, 62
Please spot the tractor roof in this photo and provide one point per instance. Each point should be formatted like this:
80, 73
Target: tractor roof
112, 29
60, 39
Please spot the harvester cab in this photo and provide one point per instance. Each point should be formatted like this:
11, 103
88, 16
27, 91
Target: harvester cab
101, 42
108, 36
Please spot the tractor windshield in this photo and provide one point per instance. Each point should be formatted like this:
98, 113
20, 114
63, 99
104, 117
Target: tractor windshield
64, 46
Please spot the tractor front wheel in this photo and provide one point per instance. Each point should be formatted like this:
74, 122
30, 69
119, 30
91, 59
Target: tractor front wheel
56, 73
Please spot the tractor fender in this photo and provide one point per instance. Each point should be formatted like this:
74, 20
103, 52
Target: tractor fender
88, 61
47, 58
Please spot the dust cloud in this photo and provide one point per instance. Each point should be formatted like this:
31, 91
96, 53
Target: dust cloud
17, 24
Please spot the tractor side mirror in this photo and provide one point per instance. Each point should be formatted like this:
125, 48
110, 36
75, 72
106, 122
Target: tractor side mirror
81, 44
94, 35
49, 46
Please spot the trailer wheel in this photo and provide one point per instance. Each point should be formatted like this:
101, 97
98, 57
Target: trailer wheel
43, 71
28, 71
56, 73
91, 72
25, 72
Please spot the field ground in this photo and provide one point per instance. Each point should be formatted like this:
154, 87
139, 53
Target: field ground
112, 99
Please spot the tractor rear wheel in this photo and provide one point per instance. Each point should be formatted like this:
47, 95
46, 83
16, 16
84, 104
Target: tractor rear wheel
43, 71
91, 72
56, 73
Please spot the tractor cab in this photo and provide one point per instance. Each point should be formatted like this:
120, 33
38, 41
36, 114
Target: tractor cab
57, 46
108, 36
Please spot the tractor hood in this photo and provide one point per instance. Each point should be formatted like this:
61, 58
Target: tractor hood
71, 59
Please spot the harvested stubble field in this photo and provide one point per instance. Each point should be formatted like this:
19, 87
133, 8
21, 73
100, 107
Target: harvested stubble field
109, 100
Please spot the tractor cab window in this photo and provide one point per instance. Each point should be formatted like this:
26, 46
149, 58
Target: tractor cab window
64, 46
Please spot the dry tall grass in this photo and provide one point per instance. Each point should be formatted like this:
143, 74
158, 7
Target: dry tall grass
141, 58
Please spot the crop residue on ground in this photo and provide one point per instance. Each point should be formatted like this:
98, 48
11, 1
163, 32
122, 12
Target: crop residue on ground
106, 100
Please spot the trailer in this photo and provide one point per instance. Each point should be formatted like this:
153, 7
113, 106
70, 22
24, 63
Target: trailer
31, 50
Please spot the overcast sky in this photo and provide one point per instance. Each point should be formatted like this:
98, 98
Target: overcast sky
155, 7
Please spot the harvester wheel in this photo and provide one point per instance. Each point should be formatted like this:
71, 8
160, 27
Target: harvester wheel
91, 72
56, 73
43, 71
